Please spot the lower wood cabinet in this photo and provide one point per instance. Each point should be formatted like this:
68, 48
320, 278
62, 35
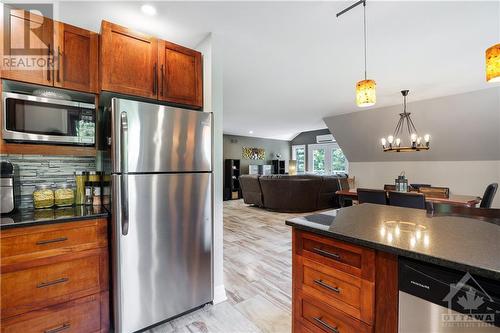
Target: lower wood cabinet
80, 315
55, 278
340, 287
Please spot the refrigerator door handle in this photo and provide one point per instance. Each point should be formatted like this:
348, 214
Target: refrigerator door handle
124, 178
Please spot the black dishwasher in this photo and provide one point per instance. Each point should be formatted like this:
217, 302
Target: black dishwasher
435, 299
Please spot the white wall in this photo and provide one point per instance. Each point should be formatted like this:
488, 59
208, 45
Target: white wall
462, 177
213, 102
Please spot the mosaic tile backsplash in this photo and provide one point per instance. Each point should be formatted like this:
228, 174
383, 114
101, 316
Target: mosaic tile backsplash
37, 169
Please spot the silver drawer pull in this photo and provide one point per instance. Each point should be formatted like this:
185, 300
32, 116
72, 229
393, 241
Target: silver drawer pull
326, 325
51, 283
326, 253
324, 285
63, 327
55, 240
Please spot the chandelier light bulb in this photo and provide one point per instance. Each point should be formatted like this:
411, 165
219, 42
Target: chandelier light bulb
383, 141
419, 140
413, 137
390, 139
427, 138
398, 142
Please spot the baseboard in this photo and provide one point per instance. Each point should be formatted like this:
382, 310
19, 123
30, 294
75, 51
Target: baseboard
219, 294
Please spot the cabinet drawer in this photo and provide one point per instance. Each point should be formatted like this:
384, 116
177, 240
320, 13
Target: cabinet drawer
345, 292
82, 315
319, 317
352, 259
46, 285
21, 245
49, 240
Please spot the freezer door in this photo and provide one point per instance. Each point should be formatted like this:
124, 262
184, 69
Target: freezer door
157, 138
162, 265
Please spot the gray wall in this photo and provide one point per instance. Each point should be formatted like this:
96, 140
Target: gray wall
233, 145
306, 138
464, 127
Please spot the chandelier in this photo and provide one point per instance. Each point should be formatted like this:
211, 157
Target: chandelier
393, 142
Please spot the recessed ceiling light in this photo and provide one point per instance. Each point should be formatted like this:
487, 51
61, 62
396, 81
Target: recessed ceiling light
250, 132
148, 10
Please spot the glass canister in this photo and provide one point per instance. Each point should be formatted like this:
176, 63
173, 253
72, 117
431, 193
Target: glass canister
64, 195
80, 179
43, 196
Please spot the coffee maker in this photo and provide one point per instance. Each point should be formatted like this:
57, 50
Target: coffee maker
9, 187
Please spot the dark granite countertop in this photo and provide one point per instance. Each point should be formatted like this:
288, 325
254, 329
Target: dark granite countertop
462, 243
31, 217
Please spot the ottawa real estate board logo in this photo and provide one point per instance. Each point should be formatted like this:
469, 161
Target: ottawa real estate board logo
472, 301
28, 37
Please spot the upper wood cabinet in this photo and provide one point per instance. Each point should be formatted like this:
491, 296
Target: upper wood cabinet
28, 42
77, 54
141, 65
66, 55
128, 61
180, 75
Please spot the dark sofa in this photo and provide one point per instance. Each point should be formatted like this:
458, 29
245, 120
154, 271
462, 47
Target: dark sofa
284, 193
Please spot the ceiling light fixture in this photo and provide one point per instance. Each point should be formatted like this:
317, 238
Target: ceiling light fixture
393, 142
366, 94
148, 10
493, 64
250, 132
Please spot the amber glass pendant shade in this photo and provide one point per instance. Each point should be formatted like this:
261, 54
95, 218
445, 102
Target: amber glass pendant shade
366, 94
493, 64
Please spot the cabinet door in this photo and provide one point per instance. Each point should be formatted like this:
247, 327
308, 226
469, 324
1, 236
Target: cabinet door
181, 75
76, 52
128, 61
28, 47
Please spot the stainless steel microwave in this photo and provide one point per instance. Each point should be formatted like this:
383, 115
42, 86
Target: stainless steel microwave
35, 119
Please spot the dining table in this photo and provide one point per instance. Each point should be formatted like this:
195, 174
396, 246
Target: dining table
452, 199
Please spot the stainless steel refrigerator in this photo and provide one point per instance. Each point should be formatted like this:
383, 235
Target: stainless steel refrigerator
161, 161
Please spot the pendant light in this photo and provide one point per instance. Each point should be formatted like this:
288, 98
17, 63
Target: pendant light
493, 64
366, 94
365, 89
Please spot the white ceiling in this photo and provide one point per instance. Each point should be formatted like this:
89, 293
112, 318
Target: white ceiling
287, 65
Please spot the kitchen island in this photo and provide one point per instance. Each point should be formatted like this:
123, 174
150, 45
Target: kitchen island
346, 262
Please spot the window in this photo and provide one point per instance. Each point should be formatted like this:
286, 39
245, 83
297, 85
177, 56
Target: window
319, 160
339, 162
299, 155
326, 158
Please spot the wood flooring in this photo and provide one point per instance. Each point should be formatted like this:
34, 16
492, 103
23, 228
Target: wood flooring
257, 276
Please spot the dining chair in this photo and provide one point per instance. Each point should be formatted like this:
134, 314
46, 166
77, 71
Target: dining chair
388, 187
488, 195
407, 199
436, 192
366, 195
417, 186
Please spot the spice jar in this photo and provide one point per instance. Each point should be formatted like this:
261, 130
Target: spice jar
106, 193
97, 194
95, 176
43, 196
64, 195
88, 193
